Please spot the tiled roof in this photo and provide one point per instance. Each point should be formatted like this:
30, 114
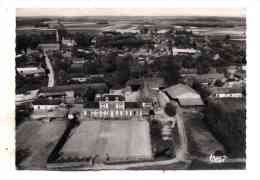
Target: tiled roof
46, 102
73, 87
112, 97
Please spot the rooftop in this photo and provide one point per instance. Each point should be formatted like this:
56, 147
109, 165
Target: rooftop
98, 86
46, 102
185, 95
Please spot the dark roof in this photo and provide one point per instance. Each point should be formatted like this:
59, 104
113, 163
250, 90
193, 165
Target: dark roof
53, 94
112, 97
132, 105
100, 87
91, 104
154, 82
46, 102
135, 82
216, 90
77, 74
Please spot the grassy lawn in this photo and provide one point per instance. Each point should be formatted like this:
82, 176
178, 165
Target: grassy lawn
201, 143
39, 139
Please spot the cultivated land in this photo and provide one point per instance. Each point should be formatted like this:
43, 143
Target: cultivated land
39, 139
118, 140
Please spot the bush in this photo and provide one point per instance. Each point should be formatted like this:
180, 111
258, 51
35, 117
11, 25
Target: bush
170, 109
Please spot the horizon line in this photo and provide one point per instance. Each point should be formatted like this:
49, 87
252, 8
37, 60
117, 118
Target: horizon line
129, 12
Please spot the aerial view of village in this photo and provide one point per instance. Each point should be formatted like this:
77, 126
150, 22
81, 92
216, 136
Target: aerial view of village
130, 92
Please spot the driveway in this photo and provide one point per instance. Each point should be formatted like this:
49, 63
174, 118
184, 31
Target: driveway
51, 72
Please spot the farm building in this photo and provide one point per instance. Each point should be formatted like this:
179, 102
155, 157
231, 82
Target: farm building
28, 71
184, 95
98, 87
46, 104
220, 92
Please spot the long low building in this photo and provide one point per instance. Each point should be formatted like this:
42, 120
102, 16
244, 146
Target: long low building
99, 87
185, 95
30, 71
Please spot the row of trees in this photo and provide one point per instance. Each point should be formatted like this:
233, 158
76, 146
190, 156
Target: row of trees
120, 41
24, 41
228, 126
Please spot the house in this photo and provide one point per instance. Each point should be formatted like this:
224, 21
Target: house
111, 107
154, 83
29, 96
184, 95
82, 78
31, 71
79, 60
222, 92
67, 54
177, 51
68, 42
77, 68
46, 104
205, 79
49, 46
188, 71
65, 96
98, 87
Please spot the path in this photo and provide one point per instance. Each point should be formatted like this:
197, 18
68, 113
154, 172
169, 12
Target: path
51, 72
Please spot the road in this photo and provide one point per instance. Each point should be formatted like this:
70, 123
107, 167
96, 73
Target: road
137, 165
182, 151
51, 72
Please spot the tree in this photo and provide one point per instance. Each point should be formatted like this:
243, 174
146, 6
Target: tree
227, 38
203, 64
123, 73
90, 68
218, 83
170, 72
83, 39
22, 42
170, 109
89, 94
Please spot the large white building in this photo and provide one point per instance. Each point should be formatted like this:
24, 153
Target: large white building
112, 107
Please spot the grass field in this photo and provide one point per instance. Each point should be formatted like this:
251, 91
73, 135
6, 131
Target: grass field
119, 140
40, 139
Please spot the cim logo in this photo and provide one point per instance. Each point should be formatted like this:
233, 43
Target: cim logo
217, 159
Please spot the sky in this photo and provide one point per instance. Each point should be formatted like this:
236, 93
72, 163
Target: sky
129, 12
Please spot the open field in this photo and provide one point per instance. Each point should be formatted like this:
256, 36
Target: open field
118, 140
201, 143
39, 139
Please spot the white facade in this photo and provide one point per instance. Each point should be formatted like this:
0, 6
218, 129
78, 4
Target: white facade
45, 107
176, 51
30, 70
229, 95
112, 110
